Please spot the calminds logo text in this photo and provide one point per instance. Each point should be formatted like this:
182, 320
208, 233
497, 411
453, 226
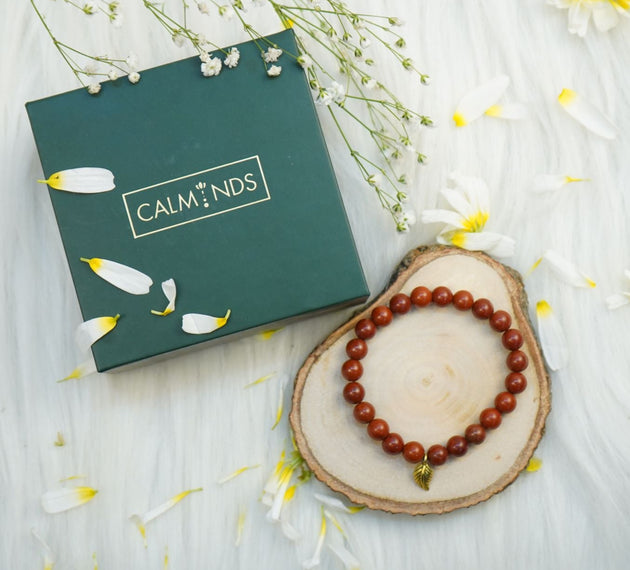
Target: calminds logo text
196, 196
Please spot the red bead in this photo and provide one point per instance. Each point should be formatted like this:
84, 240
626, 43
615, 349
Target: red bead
352, 370
353, 392
356, 349
516, 361
490, 418
463, 300
365, 329
441, 296
364, 412
421, 296
400, 303
437, 455
500, 321
457, 446
482, 309
378, 429
512, 339
475, 433
393, 444
515, 382
413, 452
505, 402
381, 316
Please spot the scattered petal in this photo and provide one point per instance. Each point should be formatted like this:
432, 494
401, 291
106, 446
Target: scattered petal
72, 478
95, 561
510, 111
550, 182
84, 369
280, 409
142, 520
170, 291
289, 530
122, 276
240, 525
86, 180
266, 335
60, 441
315, 559
348, 559
337, 504
64, 499
89, 332
236, 473
534, 464
479, 100
552, 338
49, 557
195, 323
261, 380
166, 558
587, 114
566, 270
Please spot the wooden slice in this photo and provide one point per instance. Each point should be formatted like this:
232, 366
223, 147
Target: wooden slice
429, 374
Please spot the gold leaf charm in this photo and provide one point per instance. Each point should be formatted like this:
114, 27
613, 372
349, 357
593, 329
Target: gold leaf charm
423, 473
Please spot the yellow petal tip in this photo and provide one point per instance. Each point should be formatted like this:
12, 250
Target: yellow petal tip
534, 464
459, 119
566, 97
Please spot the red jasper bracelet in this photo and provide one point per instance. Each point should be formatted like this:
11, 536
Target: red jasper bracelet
490, 418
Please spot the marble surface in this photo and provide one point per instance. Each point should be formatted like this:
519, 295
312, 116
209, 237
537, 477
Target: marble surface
142, 436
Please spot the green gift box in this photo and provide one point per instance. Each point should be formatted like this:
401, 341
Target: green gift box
223, 184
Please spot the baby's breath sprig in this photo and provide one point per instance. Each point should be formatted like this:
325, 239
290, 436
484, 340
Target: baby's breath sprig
334, 49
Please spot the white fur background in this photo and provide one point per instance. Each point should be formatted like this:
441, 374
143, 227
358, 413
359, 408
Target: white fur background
142, 436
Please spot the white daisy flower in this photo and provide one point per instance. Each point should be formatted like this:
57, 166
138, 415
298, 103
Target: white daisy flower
465, 224
605, 13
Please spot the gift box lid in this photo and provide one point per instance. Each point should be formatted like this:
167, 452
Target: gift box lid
223, 184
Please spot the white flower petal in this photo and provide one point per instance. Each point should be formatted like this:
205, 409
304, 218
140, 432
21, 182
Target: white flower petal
122, 276
89, 332
236, 473
81, 371
552, 338
240, 526
348, 559
64, 499
195, 323
509, 111
579, 15
170, 291
566, 270
142, 520
289, 530
85, 180
475, 191
476, 102
492, 243
605, 16
626, 272
315, 559
336, 504
617, 300
550, 182
587, 114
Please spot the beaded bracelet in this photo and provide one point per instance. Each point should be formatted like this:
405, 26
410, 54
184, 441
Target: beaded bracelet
489, 418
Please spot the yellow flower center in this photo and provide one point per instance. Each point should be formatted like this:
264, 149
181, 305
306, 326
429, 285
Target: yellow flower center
476, 222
